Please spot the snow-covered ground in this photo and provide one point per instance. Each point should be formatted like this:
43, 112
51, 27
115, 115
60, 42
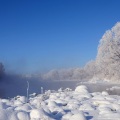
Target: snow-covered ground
67, 104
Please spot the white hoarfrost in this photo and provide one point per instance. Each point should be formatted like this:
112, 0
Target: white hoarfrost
108, 57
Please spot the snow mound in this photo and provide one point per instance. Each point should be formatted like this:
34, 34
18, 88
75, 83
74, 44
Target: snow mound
37, 114
105, 93
22, 116
78, 116
81, 89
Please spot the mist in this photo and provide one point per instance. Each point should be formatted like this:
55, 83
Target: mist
105, 67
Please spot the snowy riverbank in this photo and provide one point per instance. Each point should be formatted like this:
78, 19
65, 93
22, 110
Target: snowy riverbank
66, 104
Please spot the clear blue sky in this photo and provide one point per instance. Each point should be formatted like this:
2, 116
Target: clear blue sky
39, 35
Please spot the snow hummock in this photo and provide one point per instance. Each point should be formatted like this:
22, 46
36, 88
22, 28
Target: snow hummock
78, 104
78, 116
81, 89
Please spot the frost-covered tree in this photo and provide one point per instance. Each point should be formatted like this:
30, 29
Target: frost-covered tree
78, 74
65, 74
108, 57
51, 75
90, 69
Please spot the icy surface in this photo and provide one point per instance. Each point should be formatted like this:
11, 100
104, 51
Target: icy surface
66, 104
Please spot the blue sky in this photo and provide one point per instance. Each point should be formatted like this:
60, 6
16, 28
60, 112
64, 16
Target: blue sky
39, 35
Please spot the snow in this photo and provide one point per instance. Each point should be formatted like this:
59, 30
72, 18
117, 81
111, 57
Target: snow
78, 104
114, 88
37, 113
78, 116
81, 89
23, 116
3, 114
